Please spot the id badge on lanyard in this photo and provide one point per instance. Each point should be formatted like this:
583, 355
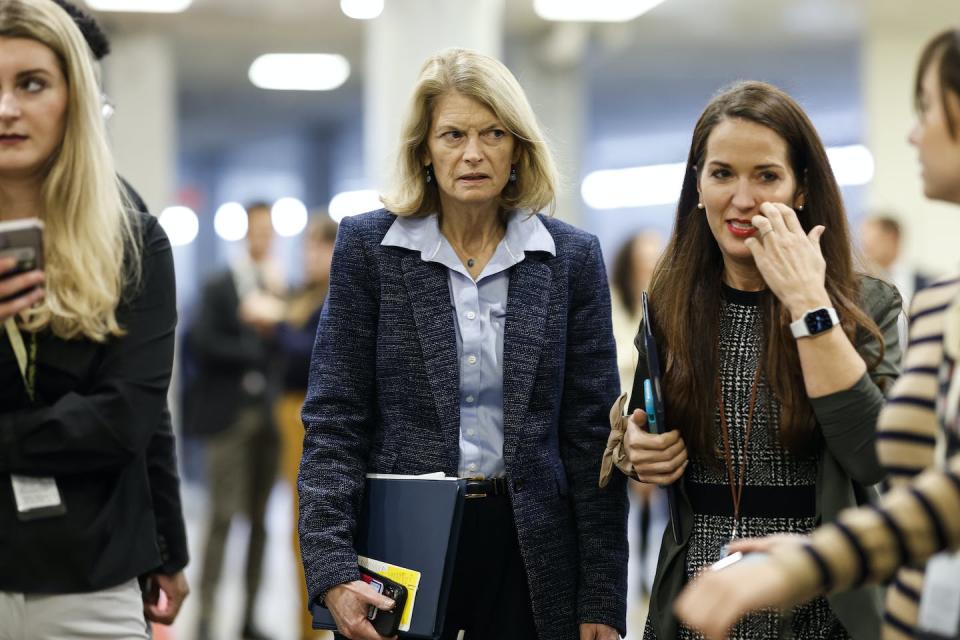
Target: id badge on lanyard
36, 497
939, 617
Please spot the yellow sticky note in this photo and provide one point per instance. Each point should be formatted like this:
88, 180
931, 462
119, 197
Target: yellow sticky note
407, 577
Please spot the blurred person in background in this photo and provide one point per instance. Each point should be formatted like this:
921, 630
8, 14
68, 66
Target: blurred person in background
633, 268
87, 353
881, 241
232, 407
776, 355
919, 444
467, 333
293, 324
169, 578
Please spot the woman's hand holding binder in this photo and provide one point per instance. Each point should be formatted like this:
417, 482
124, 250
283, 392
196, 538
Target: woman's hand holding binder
657, 459
349, 604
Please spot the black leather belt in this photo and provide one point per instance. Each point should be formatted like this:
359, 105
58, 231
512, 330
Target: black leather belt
758, 501
484, 488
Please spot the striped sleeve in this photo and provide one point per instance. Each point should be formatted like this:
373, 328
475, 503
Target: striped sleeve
867, 544
908, 425
921, 515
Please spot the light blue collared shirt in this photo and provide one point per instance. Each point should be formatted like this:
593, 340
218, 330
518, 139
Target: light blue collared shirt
480, 309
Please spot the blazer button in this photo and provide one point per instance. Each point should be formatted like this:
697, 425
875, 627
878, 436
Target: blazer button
517, 484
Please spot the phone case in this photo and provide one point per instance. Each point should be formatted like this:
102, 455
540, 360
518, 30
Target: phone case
386, 623
23, 241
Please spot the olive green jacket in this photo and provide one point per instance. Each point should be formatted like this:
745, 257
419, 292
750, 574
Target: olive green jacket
847, 470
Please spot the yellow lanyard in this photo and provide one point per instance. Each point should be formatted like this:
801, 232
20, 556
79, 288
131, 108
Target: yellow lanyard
26, 361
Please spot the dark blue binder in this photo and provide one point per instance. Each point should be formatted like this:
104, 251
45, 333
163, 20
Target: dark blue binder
414, 523
657, 421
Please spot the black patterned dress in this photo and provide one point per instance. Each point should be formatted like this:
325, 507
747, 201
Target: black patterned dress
779, 492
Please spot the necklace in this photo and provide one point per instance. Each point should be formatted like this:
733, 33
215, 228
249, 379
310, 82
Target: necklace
471, 261
736, 484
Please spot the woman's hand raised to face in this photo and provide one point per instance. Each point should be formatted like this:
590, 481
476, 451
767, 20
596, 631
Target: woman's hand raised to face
789, 259
23, 289
657, 459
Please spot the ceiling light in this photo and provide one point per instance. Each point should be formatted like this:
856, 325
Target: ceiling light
660, 184
299, 71
852, 166
230, 221
180, 224
362, 9
592, 10
289, 216
140, 6
351, 203
634, 187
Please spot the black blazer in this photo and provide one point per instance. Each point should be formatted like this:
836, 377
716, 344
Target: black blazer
163, 471
99, 407
226, 350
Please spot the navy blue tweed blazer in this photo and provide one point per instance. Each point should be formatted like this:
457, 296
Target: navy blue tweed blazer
383, 397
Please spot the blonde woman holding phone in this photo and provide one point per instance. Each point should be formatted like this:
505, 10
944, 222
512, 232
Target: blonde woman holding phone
87, 350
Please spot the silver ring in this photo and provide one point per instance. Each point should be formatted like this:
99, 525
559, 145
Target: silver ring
763, 234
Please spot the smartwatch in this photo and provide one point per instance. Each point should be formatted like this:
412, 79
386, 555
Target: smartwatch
815, 321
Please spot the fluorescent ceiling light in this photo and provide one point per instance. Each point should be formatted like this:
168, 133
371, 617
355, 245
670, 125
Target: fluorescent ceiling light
140, 6
230, 221
351, 203
593, 10
289, 216
362, 9
634, 187
660, 184
181, 225
299, 71
852, 166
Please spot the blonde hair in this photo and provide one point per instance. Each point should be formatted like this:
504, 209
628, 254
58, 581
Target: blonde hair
91, 245
488, 81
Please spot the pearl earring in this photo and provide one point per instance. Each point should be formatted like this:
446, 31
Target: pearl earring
699, 205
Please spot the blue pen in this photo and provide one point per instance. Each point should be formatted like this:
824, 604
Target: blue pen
651, 410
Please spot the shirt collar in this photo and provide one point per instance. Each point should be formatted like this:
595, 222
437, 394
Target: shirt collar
525, 232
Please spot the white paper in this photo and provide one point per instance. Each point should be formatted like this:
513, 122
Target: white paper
439, 475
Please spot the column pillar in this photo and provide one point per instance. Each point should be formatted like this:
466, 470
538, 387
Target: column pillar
397, 44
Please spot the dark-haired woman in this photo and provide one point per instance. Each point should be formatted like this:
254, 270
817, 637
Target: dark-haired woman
776, 357
921, 517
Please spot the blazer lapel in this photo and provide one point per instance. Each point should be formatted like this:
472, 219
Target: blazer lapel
429, 294
527, 302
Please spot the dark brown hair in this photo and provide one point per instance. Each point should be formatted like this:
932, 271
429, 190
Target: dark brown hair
622, 273
944, 51
691, 269
621, 276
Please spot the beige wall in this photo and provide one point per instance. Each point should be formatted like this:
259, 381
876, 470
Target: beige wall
894, 36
